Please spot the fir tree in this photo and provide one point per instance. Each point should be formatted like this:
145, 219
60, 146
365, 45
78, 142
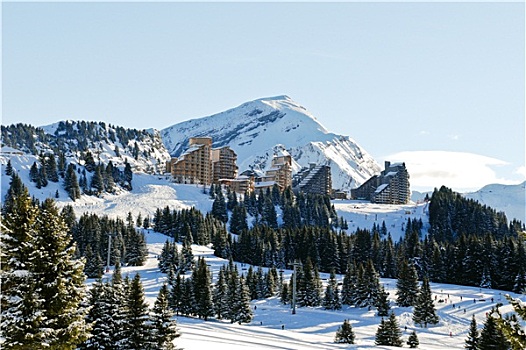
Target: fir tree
202, 290
71, 184
136, 329
382, 302
51, 167
97, 182
164, 327
407, 285
388, 332
344, 334
128, 176
220, 297
413, 340
42, 283
424, 312
491, 337
473, 335
510, 327
331, 300
9, 168
94, 267
241, 310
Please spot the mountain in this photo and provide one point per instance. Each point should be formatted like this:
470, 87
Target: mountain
511, 199
258, 129
143, 149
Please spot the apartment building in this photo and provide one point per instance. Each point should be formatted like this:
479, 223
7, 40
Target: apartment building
314, 179
202, 164
390, 187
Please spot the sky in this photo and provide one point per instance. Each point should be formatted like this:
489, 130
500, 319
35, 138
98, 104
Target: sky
440, 85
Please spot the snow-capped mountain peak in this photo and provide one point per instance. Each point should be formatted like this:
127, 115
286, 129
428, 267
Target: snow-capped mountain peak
254, 128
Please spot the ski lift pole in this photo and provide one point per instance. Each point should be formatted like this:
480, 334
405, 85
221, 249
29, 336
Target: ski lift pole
109, 253
294, 265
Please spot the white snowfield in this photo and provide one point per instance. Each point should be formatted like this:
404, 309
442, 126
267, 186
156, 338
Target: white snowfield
310, 328
314, 328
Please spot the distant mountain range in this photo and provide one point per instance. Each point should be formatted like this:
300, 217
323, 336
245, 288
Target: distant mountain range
256, 130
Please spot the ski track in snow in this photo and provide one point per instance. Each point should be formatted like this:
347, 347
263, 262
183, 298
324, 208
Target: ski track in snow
314, 328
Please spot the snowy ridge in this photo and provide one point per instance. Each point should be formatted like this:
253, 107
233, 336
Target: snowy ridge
256, 130
511, 199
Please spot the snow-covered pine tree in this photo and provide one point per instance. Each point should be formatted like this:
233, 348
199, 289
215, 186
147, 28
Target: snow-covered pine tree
407, 284
424, 312
176, 290
220, 296
9, 168
93, 267
71, 184
163, 325
136, 323
413, 340
344, 333
42, 283
510, 327
491, 337
241, 304
382, 302
188, 305
348, 284
202, 290
473, 335
331, 300
388, 332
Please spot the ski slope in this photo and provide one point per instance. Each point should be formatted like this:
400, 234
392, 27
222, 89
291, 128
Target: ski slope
314, 328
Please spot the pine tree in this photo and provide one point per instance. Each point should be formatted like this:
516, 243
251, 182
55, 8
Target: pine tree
388, 332
97, 182
407, 285
241, 309
164, 327
331, 300
42, 283
202, 290
220, 297
473, 335
345, 334
382, 302
94, 267
424, 312
136, 329
128, 176
413, 340
51, 167
9, 168
491, 337
33, 173
510, 327
71, 184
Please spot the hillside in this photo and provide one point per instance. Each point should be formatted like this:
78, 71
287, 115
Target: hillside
314, 328
143, 149
256, 130
511, 199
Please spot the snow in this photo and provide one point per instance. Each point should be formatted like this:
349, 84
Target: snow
314, 328
309, 328
259, 129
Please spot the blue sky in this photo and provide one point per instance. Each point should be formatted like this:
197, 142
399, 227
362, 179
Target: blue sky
422, 81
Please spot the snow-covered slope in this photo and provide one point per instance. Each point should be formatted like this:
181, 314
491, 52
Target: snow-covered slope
257, 129
275, 327
511, 199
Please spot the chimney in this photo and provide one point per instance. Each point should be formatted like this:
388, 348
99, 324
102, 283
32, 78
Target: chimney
387, 164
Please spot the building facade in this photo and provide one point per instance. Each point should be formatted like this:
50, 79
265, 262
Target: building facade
314, 179
280, 171
390, 187
202, 164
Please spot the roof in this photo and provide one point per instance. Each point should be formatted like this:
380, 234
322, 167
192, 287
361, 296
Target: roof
381, 188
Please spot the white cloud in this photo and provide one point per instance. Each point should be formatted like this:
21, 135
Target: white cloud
463, 172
